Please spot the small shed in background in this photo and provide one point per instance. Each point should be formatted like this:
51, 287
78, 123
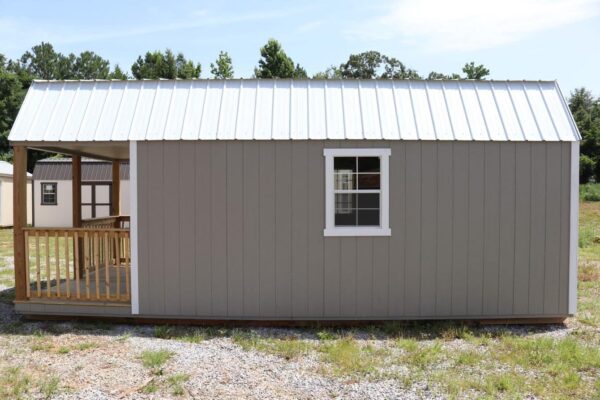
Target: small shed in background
6, 195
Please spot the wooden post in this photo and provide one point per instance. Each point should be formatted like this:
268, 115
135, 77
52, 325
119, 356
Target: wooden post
76, 193
76, 172
116, 189
20, 218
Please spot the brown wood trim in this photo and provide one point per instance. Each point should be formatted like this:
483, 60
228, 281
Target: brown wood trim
116, 188
19, 219
76, 171
281, 323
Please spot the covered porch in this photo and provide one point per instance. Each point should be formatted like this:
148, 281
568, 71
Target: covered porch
88, 264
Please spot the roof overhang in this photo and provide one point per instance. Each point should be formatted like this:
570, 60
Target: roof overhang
97, 150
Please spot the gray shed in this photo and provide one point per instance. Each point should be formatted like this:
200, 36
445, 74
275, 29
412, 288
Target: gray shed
311, 200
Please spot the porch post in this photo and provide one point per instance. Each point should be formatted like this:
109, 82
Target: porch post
20, 218
76, 172
116, 188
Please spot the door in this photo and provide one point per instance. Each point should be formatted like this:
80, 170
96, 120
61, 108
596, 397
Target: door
95, 200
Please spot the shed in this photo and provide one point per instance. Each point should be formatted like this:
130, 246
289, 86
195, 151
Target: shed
6, 195
311, 200
53, 198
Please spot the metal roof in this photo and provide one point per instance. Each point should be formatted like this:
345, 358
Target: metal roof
83, 111
59, 169
6, 169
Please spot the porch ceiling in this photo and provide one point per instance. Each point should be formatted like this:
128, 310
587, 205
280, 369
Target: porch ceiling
97, 150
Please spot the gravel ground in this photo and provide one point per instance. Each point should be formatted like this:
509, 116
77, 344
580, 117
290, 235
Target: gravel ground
103, 362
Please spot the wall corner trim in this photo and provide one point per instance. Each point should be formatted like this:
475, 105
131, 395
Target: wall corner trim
574, 227
133, 227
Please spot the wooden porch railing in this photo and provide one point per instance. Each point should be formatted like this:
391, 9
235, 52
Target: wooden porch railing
118, 221
78, 264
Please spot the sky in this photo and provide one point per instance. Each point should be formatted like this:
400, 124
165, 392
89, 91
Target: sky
515, 39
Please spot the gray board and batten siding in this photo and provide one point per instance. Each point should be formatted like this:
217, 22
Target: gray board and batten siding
234, 230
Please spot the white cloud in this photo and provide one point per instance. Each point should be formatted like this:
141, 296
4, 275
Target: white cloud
442, 25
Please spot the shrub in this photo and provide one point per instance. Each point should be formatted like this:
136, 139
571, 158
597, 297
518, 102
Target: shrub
586, 168
590, 192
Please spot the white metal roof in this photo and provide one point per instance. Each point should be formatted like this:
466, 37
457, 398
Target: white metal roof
71, 111
6, 169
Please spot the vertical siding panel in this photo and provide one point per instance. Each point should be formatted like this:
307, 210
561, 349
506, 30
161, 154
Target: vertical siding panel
267, 229
299, 216
460, 227
522, 228
492, 228
332, 277
235, 229
364, 276
203, 241
251, 229
380, 284
428, 246
476, 228
171, 260
565, 210
156, 229
412, 282
316, 225
218, 191
348, 281
444, 200
538, 228
507, 227
553, 228
187, 228
143, 227
283, 228
390, 283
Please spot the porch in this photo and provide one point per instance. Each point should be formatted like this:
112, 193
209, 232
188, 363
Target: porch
79, 270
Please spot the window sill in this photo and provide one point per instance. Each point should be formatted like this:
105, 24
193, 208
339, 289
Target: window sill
357, 232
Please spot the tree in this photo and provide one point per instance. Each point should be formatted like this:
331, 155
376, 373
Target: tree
89, 65
473, 71
373, 65
586, 113
41, 61
11, 97
222, 68
438, 75
155, 65
118, 73
274, 63
332, 72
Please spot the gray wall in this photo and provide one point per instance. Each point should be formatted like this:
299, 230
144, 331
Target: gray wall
235, 230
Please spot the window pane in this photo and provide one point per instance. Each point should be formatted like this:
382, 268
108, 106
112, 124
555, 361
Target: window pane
368, 217
368, 164
368, 181
345, 219
345, 202
344, 164
368, 200
344, 181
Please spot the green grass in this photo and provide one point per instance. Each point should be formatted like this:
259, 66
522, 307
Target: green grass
14, 383
155, 359
50, 387
176, 382
589, 192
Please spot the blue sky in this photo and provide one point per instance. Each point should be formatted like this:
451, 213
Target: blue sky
515, 39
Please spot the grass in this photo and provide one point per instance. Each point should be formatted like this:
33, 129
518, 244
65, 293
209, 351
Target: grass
14, 384
176, 382
589, 192
155, 359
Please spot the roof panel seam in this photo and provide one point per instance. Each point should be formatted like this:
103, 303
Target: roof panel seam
85, 112
360, 112
512, 102
448, 111
541, 135
412, 108
464, 108
53, 112
203, 109
487, 128
498, 110
135, 108
119, 108
101, 112
435, 131
152, 109
169, 109
548, 111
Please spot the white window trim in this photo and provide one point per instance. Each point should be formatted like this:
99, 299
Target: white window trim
330, 228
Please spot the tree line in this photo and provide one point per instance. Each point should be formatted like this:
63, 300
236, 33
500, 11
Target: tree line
44, 62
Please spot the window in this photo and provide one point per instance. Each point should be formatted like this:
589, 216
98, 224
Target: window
356, 192
48, 194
